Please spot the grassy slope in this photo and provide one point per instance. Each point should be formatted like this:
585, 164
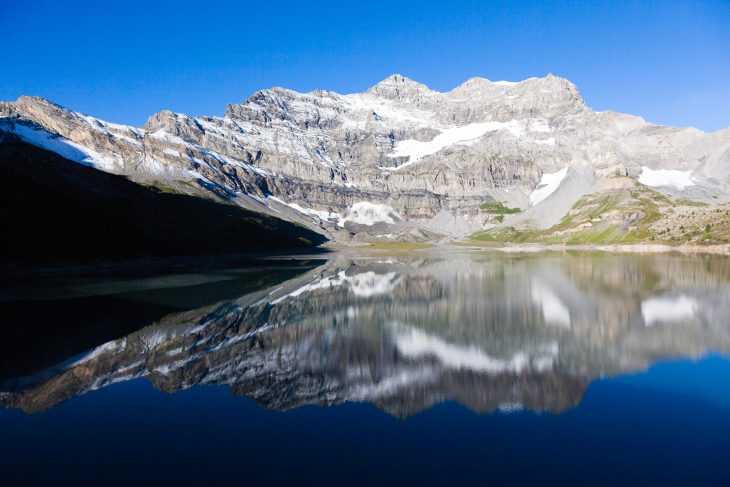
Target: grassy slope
623, 216
57, 212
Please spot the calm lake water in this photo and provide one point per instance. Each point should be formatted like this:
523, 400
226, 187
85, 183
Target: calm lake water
429, 368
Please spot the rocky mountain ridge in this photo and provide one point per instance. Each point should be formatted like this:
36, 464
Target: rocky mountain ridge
58, 213
398, 161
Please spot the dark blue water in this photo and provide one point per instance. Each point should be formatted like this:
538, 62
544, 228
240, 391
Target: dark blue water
667, 426
593, 416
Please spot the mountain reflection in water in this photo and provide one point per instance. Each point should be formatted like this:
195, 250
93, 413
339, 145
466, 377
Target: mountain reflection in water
489, 331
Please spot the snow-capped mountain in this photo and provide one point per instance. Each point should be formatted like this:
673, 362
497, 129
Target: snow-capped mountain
397, 160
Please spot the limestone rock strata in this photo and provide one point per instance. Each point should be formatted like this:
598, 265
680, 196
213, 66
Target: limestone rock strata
398, 147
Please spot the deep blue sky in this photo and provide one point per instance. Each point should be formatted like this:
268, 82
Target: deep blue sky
122, 61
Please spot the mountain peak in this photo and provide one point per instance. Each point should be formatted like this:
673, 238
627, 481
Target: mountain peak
27, 100
477, 83
398, 87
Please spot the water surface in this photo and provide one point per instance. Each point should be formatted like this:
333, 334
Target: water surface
431, 367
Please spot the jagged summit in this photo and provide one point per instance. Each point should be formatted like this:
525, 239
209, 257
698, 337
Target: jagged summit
399, 87
34, 99
395, 87
481, 83
37, 102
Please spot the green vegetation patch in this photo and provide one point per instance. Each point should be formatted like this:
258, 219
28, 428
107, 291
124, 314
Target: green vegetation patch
495, 207
399, 246
617, 217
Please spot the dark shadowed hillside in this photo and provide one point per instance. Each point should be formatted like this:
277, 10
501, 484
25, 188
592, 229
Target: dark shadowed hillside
57, 212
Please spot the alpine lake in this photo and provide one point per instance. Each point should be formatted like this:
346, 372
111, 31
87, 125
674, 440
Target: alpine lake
364, 367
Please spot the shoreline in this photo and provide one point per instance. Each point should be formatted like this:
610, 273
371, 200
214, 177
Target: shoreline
253, 259
687, 249
144, 266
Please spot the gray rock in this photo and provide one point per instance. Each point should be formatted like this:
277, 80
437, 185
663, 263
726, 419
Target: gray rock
413, 151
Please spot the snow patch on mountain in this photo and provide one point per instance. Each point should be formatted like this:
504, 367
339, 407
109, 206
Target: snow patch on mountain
317, 215
63, 147
657, 178
548, 184
128, 133
194, 148
416, 150
366, 213
363, 213
539, 125
384, 110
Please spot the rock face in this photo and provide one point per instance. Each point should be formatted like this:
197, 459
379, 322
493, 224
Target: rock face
491, 333
64, 214
430, 158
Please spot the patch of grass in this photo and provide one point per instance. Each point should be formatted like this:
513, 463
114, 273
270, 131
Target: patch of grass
164, 187
495, 207
686, 202
593, 236
476, 243
502, 234
399, 246
623, 216
618, 217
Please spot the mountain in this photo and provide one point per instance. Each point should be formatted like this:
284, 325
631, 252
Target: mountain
58, 212
403, 162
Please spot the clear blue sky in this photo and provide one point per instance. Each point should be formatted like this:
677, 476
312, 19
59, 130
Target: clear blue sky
122, 61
